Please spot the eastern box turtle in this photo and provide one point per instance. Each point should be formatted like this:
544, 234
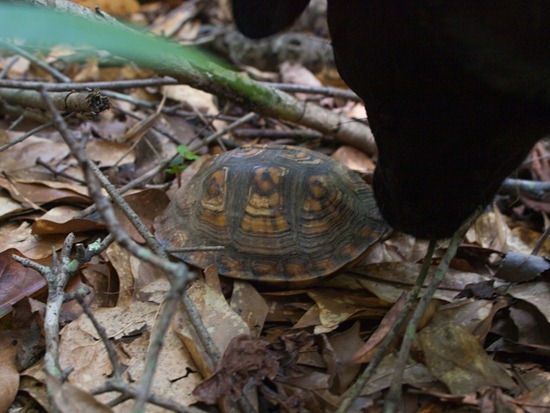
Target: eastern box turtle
284, 215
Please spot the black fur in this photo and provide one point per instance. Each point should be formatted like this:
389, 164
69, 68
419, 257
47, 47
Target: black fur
456, 94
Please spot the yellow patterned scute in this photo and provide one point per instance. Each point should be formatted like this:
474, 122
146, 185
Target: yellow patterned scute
284, 214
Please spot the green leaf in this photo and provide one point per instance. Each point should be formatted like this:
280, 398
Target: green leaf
186, 154
45, 27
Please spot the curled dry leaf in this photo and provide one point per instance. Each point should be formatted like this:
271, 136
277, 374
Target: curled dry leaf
354, 159
60, 220
537, 294
531, 327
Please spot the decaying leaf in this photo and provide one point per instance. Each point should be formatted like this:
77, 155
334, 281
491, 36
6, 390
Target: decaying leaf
9, 376
516, 267
455, 357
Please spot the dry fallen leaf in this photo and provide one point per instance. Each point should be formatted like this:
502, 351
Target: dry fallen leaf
222, 322
244, 359
367, 351
337, 353
537, 294
354, 159
130, 327
455, 357
250, 305
337, 308
16, 281
70, 398
9, 375
388, 280
59, 220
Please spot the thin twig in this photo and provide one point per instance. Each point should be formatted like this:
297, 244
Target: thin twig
44, 66
111, 352
9, 64
29, 134
70, 86
317, 90
540, 242
155, 345
57, 173
57, 277
394, 395
150, 240
355, 390
128, 393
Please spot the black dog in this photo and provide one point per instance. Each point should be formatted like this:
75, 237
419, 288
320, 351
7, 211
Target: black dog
456, 94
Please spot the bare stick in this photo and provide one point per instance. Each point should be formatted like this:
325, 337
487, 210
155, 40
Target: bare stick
354, 391
394, 395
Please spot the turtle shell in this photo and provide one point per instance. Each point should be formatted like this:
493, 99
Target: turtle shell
284, 215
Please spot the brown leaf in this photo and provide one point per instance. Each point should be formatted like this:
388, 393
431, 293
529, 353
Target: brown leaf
244, 359
531, 327
289, 346
20, 160
516, 267
416, 374
8, 206
104, 282
354, 159
147, 204
337, 308
535, 293
9, 375
537, 400
367, 351
248, 359
120, 258
490, 231
16, 281
222, 322
129, 327
71, 399
337, 353
388, 280
19, 237
476, 316
108, 153
39, 192
456, 358
493, 400
249, 304
60, 220
523, 240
